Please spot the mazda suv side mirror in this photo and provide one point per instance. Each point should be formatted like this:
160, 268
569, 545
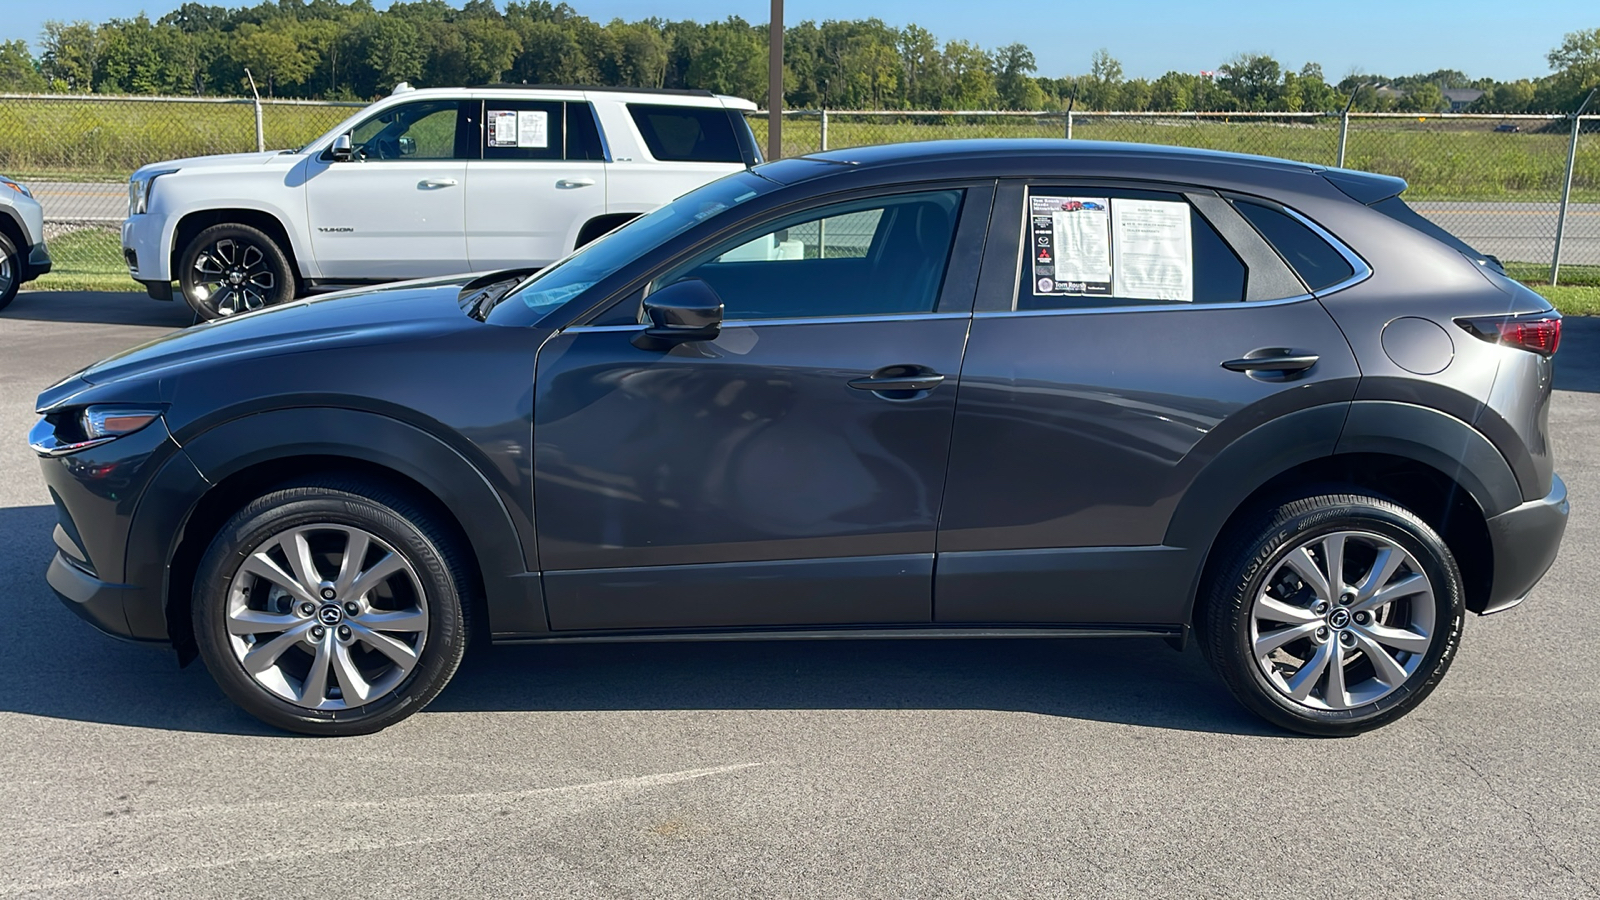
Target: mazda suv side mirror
683, 311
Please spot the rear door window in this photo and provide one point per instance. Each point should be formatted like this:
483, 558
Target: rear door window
687, 133
523, 129
1317, 263
1094, 247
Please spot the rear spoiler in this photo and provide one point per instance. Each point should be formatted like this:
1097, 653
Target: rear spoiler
1365, 188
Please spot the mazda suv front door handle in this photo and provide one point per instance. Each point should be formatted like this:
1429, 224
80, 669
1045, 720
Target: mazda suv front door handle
899, 382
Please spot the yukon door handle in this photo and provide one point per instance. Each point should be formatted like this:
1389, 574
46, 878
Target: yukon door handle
1272, 361
575, 182
430, 183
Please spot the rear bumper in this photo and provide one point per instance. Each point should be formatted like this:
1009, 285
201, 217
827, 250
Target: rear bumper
1525, 541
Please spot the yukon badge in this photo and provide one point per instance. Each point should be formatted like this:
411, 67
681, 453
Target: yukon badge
338, 229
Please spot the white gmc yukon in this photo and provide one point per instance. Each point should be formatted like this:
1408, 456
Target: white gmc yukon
437, 181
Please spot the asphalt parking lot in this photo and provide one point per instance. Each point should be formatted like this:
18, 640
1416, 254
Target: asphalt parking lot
1090, 768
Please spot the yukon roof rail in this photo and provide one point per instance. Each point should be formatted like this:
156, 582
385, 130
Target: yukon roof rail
680, 92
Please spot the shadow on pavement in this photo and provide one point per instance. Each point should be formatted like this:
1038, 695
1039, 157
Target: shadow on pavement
1578, 358
102, 307
55, 665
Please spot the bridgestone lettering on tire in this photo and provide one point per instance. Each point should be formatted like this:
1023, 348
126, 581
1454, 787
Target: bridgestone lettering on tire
1333, 614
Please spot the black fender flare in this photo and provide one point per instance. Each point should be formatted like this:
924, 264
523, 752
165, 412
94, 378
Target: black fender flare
1435, 439
1438, 440
514, 599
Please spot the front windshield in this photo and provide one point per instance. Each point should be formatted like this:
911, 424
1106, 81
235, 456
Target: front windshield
581, 270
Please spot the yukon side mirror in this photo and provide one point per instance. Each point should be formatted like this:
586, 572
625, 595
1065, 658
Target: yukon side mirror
341, 150
681, 312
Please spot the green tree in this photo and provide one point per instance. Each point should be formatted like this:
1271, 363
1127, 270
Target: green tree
71, 54
1253, 79
731, 61
18, 72
1014, 82
274, 54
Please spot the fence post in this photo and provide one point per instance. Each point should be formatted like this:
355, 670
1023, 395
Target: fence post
1566, 188
1069, 124
261, 135
824, 129
1344, 134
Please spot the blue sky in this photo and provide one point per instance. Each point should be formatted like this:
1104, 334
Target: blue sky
1499, 39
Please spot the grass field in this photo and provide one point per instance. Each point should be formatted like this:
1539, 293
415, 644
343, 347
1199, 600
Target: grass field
72, 139
1578, 296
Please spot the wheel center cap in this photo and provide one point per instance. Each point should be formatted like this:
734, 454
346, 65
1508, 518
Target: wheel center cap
330, 614
236, 277
1339, 618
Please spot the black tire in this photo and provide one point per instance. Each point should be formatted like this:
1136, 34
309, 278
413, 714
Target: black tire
231, 268
408, 530
1259, 549
11, 266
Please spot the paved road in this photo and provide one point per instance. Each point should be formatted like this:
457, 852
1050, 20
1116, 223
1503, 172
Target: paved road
1512, 231
1522, 232
917, 769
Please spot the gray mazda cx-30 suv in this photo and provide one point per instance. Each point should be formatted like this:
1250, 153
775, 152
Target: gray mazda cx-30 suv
934, 390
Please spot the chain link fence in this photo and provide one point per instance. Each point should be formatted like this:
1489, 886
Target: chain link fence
1496, 181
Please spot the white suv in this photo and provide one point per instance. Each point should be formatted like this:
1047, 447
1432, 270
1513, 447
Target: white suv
23, 256
437, 181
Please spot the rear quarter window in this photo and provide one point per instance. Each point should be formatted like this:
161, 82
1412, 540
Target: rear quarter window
1319, 265
687, 133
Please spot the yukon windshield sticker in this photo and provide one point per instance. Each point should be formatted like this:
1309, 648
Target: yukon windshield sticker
1098, 246
1071, 245
519, 128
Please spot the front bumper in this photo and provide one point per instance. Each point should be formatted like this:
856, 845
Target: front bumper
98, 602
39, 261
142, 238
117, 505
1525, 541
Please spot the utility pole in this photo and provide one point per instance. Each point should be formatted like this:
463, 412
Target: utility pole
775, 82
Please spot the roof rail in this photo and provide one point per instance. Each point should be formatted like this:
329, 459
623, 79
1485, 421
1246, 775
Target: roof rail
680, 92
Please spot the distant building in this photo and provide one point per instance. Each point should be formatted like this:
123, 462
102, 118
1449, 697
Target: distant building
1461, 98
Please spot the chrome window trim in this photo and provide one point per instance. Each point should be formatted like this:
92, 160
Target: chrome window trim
797, 320
1142, 307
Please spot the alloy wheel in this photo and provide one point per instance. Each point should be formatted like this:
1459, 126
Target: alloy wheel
233, 276
326, 616
1342, 620
7, 272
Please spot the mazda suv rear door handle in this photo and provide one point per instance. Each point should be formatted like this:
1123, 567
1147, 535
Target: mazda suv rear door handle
1272, 361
